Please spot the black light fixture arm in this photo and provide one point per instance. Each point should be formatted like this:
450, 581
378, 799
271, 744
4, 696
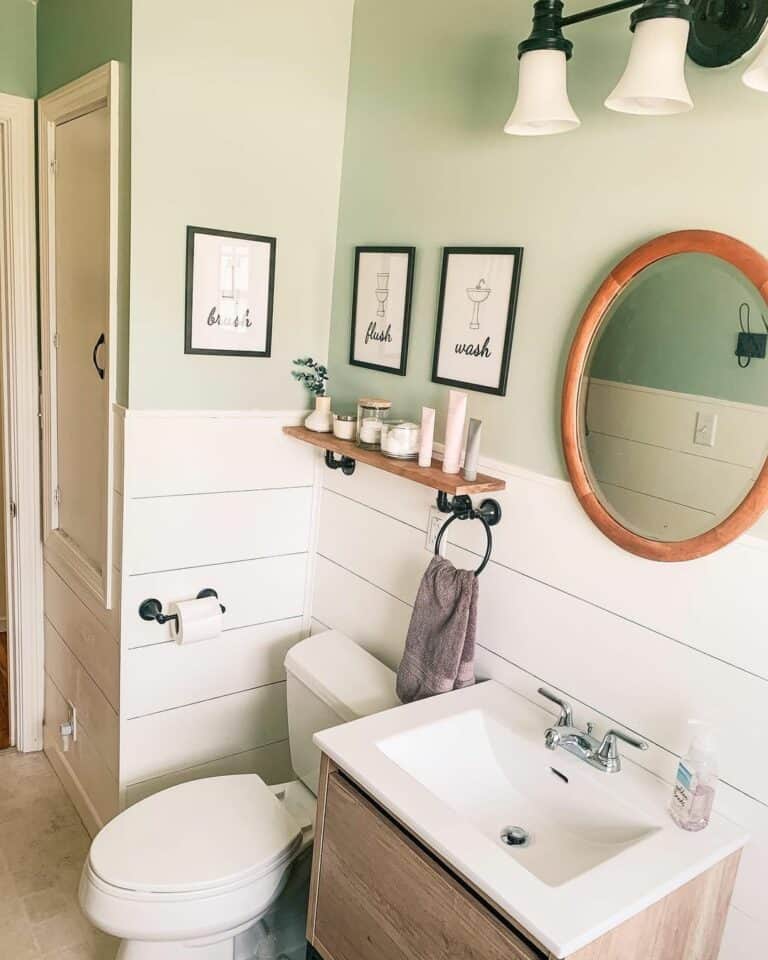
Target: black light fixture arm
548, 20
595, 12
547, 33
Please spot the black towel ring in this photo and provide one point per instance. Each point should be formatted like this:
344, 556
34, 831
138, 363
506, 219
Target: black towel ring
488, 534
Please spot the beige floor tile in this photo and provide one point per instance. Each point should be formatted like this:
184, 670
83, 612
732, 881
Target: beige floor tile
66, 929
46, 904
17, 939
102, 948
43, 846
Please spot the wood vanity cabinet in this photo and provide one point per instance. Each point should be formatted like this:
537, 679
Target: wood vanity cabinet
379, 894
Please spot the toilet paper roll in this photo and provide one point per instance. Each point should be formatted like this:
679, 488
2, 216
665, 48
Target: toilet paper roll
198, 620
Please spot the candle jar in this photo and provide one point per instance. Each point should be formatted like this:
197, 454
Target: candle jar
370, 416
344, 427
400, 439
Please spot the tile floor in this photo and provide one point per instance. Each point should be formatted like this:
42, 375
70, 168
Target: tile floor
42, 848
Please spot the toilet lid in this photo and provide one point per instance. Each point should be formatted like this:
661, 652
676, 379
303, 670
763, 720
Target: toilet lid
198, 835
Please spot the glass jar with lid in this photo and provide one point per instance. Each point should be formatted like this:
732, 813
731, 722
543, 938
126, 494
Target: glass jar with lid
401, 439
370, 416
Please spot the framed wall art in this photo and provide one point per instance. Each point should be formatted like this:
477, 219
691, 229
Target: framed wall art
381, 308
230, 293
476, 317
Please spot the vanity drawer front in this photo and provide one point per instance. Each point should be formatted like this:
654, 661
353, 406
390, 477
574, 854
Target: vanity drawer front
381, 897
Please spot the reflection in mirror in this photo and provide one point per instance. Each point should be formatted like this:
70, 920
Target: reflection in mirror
674, 425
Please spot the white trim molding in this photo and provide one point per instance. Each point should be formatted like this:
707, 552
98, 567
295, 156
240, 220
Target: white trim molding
94, 91
21, 500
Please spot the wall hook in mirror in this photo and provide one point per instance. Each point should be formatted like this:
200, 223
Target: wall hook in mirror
749, 345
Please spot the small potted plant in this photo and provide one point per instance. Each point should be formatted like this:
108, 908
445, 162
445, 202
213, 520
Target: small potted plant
314, 376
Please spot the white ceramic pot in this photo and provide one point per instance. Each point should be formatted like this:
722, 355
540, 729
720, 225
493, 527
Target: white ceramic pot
320, 420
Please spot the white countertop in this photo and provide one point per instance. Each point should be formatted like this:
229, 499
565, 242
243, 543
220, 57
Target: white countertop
564, 917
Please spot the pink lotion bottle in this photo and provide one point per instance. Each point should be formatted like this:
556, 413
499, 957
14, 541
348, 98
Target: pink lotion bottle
694, 792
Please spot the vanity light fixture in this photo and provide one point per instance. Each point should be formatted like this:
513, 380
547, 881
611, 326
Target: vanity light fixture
654, 80
542, 101
712, 32
756, 76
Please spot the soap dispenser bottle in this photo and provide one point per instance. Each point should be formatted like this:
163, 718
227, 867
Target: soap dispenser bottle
696, 780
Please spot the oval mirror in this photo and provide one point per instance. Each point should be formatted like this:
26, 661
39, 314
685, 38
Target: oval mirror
665, 401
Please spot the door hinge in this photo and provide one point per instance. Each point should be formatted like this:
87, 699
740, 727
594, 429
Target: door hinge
54, 166
14, 510
57, 495
56, 340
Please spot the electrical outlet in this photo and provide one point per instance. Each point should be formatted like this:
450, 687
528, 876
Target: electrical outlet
435, 520
68, 729
706, 428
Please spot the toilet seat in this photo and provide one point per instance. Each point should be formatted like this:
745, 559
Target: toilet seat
197, 839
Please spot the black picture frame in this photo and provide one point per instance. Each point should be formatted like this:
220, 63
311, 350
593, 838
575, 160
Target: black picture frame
515, 252
410, 252
192, 232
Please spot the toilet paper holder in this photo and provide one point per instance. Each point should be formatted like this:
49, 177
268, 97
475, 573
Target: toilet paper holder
152, 609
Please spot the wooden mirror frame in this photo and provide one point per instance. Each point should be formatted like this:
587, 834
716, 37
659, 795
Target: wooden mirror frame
755, 267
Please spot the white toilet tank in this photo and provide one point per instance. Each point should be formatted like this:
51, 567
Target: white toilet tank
331, 680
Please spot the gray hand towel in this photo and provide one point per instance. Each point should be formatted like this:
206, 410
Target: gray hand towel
440, 647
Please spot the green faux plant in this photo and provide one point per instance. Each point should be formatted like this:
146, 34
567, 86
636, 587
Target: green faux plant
314, 376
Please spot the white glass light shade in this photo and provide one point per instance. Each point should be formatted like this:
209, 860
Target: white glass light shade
756, 75
654, 80
542, 98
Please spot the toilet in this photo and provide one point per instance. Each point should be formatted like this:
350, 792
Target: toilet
192, 872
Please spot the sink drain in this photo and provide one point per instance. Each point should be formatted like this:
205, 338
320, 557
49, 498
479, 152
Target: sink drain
515, 837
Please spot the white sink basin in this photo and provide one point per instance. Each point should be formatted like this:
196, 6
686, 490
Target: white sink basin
457, 770
497, 779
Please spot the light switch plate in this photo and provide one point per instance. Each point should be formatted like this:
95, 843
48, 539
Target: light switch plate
706, 428
435, 520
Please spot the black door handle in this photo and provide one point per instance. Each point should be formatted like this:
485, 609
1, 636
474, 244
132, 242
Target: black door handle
100, 370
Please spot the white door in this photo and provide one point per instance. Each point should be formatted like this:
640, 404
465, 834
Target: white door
82, 315
78, 265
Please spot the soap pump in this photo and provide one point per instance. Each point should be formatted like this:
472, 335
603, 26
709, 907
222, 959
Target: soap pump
696, 780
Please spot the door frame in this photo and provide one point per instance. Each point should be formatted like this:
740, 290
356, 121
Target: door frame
21, 424
97, 89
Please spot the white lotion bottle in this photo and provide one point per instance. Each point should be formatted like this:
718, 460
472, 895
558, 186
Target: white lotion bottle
694, 791
454, 431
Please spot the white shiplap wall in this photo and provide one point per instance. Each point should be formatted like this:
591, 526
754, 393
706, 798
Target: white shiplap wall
220, 500
628, 641
643, 450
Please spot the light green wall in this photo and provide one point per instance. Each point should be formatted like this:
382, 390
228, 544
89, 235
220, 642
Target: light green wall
17, 47
73, 38
675, 328
426, 163
239, 111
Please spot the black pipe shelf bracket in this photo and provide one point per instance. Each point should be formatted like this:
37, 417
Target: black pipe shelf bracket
339, 461
152, 609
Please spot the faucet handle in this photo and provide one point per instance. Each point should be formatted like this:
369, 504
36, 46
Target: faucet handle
566, 714
609, 748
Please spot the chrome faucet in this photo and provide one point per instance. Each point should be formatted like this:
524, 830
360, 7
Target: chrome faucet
600, 754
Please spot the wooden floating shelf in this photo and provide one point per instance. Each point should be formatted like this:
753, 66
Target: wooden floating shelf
451, 483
